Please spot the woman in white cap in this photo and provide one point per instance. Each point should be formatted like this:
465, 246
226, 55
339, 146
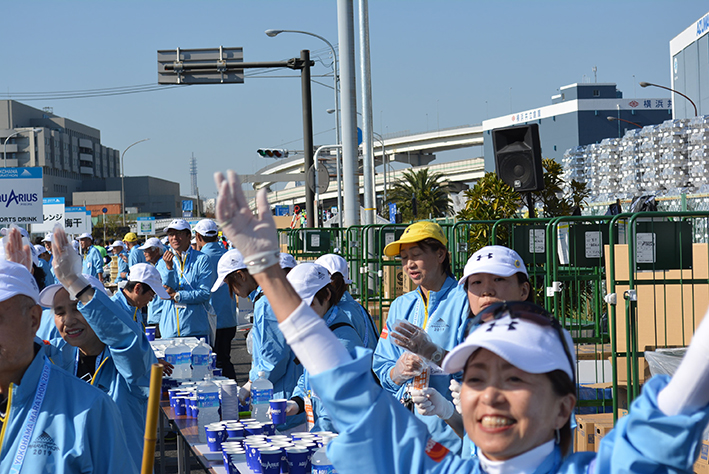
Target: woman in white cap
516, 365
118, 248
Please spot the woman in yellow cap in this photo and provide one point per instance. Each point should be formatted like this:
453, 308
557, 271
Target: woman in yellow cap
438, 306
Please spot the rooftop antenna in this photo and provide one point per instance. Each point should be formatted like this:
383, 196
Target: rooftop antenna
595, 76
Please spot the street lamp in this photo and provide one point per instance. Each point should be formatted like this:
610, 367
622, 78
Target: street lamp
123, 178
646, 84
611, 119
336, 78
4, 145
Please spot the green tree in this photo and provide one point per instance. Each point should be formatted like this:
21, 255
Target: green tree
426, 190
555, 200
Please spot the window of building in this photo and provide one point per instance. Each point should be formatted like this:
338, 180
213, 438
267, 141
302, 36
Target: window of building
596, 93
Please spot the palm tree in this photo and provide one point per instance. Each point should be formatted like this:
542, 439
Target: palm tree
423, 191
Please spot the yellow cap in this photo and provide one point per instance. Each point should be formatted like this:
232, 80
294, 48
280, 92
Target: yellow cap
130, 237
416, 232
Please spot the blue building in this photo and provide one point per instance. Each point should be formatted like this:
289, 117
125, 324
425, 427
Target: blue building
579, 115
689, 56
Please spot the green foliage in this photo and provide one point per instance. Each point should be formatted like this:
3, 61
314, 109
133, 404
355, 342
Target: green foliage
431, 195
555, 202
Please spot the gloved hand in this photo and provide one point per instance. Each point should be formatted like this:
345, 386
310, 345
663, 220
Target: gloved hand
430, 402
244, 392
454, 387
15, 250
415, 339
408, 366
255, 237
67, 263
291, 408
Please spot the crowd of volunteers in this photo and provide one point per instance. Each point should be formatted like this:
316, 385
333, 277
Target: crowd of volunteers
466, 375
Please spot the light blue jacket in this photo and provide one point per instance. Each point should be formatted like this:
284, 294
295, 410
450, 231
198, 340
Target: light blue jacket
222, 302
341, 327
123, 267
271, 354
447, 312
157, 303
360, 319
135, 255
136, 315
192, 283
48, 273
644, 441
78, 430
92, 263
122, 369
47, 328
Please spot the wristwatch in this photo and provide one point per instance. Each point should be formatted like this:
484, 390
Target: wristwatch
437, 356
177, 297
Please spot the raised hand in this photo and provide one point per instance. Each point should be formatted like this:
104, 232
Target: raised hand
67, 263
15, 251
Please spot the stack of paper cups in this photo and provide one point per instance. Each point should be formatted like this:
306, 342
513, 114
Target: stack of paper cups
230, 400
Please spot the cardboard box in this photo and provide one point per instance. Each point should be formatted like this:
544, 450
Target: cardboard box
700, 468
622, 412
601, 431
622, 370
393, 281
704, 454
586, 429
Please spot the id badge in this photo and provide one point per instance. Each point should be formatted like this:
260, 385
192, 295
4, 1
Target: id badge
309, 416
180, 306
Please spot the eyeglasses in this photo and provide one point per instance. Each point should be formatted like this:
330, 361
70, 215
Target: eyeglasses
529, 312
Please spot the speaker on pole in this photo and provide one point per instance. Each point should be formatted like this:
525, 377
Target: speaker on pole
518, 157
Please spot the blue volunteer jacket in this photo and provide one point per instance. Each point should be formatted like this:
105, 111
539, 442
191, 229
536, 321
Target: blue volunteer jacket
48, 273
135, 255
122, 369
157, 303
339, 323
78, 428
136, 315
271, 354
377, 434
222, 302
92, 262
360, 320
123, 267
191, 279
443, 318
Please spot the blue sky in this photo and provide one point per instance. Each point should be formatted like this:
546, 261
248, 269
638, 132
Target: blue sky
435, 64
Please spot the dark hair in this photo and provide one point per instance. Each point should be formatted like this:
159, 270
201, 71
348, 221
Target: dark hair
522, 279
432, 245
322, 296
338, 286
562, 385
234, 275
39, 276
207, 238
130, 286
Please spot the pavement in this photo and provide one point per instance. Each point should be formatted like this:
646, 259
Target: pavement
242, 363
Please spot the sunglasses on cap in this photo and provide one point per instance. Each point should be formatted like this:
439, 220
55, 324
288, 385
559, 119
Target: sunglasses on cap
528, 312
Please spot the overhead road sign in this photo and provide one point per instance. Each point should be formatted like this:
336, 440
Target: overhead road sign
201, 66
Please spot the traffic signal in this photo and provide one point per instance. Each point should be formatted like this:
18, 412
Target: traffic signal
272, 153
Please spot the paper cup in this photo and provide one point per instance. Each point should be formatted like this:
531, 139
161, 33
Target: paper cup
214, 437
298, 460
180, 406
270, 460
150, 333
278, 410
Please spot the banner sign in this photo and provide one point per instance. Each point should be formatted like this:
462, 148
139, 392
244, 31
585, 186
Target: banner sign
21, 196
146, 226
53, 211
76, 220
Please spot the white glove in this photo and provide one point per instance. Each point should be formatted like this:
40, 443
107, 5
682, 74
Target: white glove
430, 402
291, 408
416, 340
255, 237
408, 366
67, 263
454, 387
16, 250
244, 392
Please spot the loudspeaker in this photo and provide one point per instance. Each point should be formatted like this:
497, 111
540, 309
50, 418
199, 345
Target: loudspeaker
518, 157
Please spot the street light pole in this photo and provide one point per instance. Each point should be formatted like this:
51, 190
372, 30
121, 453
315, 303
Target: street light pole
4, 145
123, 177
336, 79
646, 84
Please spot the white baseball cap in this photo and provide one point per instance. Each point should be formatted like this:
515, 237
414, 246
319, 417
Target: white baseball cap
526, 345
206, 227
117, 243
148, 274
46, 297
496, 260
85, 235
23, 231
15, 280
178, 224
40, 249
307, 279
152, 242
48, 238
76, 245
287, 260
335, 264
231, 261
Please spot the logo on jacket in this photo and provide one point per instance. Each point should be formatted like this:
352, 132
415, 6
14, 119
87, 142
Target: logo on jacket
438, 326
435, 450
43, 445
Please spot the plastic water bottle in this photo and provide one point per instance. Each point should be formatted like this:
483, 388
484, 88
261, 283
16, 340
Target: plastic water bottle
261, 394
208, 404
171, 353
200, 360
184, 357
321, 464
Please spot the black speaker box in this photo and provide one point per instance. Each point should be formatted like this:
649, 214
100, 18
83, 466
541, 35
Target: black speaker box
518, 157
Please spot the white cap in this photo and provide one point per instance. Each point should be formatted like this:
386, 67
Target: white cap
193, 241
23, 231
48, 238
152, 242
496, 260
148, 274
77, 247
117, 243
25, 241
178, 224
85, 235
307, 279
165, 240
46, 297
287, 260
40, 249
335, 264
206, 227
526, 345
15, 280
231, 261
